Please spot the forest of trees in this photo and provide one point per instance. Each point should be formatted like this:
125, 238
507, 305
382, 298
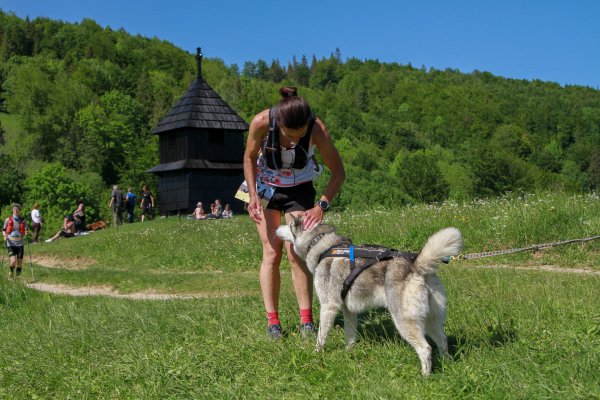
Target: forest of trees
78, 102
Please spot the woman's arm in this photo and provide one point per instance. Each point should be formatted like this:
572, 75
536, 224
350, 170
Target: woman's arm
324, 143
258, 129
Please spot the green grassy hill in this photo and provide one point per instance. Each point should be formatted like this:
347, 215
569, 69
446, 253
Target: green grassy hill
513, 332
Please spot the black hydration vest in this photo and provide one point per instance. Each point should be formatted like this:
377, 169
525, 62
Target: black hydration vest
272, 149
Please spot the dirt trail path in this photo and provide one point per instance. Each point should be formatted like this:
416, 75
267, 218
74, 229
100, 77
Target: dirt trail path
106, 290
109, 291
62, 263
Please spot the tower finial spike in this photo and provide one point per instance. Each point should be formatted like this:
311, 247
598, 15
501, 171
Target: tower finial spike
199, 63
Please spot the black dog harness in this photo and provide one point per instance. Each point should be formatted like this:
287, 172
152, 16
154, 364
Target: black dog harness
371, 253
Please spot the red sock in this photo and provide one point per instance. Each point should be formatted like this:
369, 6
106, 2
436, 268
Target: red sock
273, 318
306, 315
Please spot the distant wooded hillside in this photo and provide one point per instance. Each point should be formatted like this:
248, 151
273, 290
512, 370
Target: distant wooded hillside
79, 100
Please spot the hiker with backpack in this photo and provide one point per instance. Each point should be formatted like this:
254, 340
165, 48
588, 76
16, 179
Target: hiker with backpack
13, 233
117, 202
130, 204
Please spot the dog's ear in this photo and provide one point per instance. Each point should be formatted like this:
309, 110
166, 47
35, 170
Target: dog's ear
296, 225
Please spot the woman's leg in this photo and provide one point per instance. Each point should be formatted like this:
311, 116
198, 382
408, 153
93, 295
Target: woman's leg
53, 238
301, 276
269, 277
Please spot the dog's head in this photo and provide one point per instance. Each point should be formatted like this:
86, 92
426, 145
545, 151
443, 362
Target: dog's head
291, 231
303, 240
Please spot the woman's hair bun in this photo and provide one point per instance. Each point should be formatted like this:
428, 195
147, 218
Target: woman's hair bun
288, 91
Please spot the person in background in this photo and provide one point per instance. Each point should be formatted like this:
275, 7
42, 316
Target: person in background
199, 212
147, 203
227, 212
280, 153
117, 202
13, 233
68, 230
130, 205
79, 215
216, 211
36, 219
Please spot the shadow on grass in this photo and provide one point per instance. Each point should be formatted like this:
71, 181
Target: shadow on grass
376, 326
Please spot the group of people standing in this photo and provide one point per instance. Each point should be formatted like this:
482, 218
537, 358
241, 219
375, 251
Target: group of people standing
120, 202
15, 226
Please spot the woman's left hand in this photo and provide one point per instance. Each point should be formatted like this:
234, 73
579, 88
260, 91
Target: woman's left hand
312, 217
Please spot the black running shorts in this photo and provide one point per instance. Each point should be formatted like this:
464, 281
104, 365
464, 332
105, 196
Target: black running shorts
17, 251
66, 234
294, 198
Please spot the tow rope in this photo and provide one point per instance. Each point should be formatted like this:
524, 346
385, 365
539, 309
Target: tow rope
474, 256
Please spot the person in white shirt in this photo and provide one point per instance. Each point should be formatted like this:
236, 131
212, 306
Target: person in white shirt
36, 218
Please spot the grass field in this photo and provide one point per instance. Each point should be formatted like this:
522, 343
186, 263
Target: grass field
514, 333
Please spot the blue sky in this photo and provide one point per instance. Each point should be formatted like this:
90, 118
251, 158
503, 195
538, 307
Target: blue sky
550, 40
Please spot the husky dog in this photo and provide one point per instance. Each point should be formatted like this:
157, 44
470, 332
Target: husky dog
408, 288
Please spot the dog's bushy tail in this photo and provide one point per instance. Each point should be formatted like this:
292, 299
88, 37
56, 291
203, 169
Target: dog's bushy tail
444, 243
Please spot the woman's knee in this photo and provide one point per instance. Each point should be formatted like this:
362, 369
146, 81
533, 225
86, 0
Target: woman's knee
271, 255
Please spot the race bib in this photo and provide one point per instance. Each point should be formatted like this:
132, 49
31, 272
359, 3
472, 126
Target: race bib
264, 191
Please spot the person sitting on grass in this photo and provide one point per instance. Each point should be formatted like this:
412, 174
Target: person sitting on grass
217, 211
198, 212
79, 215
227, 212
68, 230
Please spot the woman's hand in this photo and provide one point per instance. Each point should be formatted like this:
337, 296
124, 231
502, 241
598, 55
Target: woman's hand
255, 209
312, 217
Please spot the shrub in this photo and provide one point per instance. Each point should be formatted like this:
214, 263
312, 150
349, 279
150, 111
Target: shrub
57, 192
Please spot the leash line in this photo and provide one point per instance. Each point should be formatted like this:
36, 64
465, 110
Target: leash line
473, 256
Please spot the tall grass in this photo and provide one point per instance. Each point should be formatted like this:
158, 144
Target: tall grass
513, 333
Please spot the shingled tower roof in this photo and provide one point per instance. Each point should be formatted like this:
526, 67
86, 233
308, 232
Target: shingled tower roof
201, 107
